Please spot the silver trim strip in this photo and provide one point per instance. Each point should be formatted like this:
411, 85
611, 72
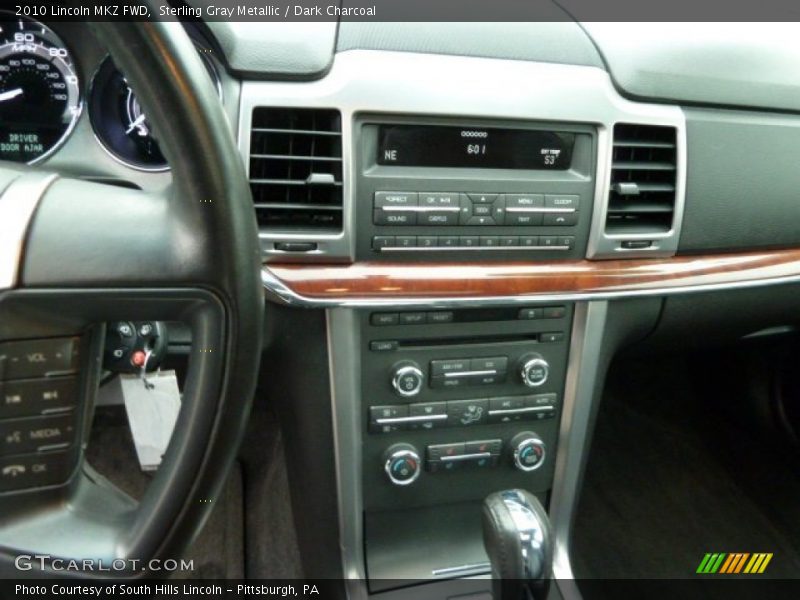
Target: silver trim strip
582, 372
419, 208
344, 358
518, 411
282, 294
18, 204
366, 81
438, 248
469, 373
459, 457
395, 420
533, 209
482, 568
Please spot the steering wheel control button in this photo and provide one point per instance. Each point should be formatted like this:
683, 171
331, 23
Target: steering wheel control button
534, 370
32, 397
125, 329
402, 465
38, 358
34, 470
407, 380
19, 436
528, 451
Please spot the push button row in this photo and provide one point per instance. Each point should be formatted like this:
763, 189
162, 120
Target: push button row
454, 208
461, 413
431, 317
461, 372
450, 457
400, 243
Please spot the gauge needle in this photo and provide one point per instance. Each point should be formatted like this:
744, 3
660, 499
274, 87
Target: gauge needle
10, 94
139, 120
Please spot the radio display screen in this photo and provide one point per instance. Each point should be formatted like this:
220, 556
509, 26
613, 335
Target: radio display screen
480, 148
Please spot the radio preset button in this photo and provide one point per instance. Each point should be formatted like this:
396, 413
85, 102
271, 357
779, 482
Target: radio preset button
490, 240
427, 241
469, 241
448, 241
405, 241
395, 199
509, 240
567, 241
529, 240
382, 241
548, 240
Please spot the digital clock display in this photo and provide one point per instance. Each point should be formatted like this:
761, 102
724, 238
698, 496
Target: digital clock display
480, 148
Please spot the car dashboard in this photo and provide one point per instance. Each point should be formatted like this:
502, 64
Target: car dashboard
481, 223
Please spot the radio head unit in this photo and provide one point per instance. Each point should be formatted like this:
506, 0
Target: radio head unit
434, 189
474, 148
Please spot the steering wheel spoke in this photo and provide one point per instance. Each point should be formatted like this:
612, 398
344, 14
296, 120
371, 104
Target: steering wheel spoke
76, 254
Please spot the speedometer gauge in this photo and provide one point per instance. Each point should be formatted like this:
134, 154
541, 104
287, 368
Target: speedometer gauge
39, 91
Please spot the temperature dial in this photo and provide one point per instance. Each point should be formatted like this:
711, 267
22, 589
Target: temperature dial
529, 451
402, 464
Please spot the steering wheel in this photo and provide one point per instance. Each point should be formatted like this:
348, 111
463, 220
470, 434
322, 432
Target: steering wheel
75, 254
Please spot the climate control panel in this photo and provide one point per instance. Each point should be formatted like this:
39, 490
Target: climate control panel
461, 406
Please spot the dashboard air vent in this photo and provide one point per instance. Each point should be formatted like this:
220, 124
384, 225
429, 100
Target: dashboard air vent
296, 169
641, 198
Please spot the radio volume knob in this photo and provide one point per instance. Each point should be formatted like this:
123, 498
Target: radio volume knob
402, 465
534, 370
407, 380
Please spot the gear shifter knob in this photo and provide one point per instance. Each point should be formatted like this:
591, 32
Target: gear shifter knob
516, 534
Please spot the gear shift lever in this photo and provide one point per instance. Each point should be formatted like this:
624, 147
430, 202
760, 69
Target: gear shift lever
516, 534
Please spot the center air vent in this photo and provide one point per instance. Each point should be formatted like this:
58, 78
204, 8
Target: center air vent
641, 199
296, 169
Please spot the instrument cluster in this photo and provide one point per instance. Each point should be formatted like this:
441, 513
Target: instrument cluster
43, 95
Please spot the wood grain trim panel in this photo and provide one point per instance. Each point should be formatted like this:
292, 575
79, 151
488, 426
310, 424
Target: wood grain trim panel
487, 280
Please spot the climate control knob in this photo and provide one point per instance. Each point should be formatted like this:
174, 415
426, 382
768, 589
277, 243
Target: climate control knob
402, 465
407, 380
529, 451
534, 370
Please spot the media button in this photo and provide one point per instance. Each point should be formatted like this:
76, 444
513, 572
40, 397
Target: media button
440, 218
524, 200
509, 240
560, 219
395, 199
561, 201
395, 217
524, 219
478, 198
